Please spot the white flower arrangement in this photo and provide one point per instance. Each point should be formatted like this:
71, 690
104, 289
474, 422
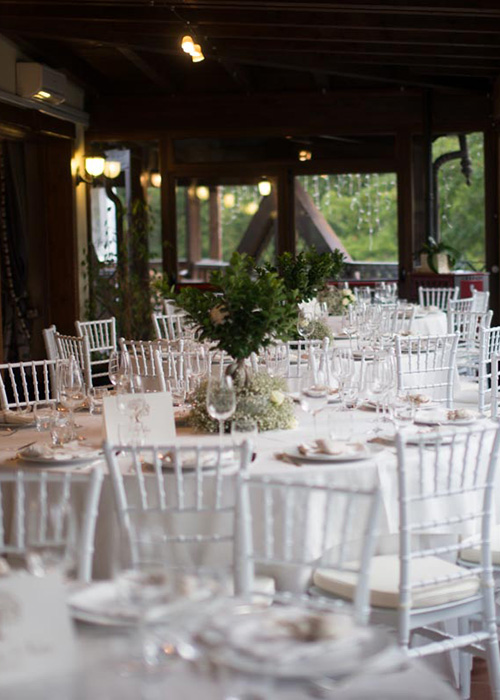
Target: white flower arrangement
262, 397
337, 300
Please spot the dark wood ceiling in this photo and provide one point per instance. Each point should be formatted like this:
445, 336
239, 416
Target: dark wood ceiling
114, 47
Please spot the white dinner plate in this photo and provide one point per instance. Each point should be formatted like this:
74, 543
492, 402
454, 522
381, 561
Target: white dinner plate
60, 460
249, 644
442, 420
370, 451
100, 604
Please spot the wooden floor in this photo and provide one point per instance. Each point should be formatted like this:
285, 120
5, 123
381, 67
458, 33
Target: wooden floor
480, 689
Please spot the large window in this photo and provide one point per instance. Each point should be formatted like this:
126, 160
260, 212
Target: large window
459, 195
356, 212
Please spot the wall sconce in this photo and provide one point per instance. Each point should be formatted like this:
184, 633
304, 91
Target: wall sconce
305, 155
95, 166
155, 178
202, 193
264, 187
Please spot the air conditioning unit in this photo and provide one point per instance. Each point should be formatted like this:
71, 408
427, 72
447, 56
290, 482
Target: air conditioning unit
39, 82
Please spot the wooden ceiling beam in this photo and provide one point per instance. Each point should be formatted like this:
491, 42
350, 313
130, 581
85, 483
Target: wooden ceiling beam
160, 80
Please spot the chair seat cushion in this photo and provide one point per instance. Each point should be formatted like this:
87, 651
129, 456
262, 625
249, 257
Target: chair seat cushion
467, 392
384, 582
473, 554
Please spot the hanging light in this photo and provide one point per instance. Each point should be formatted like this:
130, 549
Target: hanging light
197, 55
94, 165
155, 178
187, 44
112, 168
305, 155
251, 208
202, 193
264, 188
229, 200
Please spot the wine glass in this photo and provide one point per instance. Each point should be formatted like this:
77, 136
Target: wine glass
305, 324
70, 387
349, 390
118, 366
314, 389
350, 323
221, 400
402, 410
44, 413
52, 537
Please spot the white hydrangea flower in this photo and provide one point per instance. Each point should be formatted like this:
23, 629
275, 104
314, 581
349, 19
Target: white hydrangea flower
277, 397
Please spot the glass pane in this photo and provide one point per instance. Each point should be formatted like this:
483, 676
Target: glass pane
356, 212
214, 220
460, 202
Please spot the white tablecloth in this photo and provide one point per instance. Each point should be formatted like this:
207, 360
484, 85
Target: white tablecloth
101, 655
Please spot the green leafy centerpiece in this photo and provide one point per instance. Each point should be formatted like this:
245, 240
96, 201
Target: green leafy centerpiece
247, 310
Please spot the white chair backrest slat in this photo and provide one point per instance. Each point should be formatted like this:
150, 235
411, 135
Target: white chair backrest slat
77, 347
24, 383
437, 296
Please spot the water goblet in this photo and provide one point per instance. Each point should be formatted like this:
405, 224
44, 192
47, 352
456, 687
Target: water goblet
305, 324
314, 391
349, 390
118, 366
71, 388
221, 400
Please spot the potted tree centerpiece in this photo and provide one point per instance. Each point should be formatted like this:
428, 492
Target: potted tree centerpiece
247, 310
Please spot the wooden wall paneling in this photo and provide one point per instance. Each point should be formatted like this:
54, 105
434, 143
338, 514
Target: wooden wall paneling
405, 209
61, 253
286, 241
215, 252
168, 210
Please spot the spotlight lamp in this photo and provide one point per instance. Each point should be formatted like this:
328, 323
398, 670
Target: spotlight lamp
305, 155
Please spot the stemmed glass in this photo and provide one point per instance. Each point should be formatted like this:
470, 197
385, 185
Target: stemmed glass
349, 390
221, 400
378, 379
71, 388
349, 324
314, 389
119, 366
305, 324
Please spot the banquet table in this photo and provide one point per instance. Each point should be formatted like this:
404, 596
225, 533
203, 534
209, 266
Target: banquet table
101, 653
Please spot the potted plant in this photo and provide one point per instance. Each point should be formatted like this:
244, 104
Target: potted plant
438, 257
247, 310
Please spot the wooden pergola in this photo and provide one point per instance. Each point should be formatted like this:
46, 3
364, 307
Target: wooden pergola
368, 84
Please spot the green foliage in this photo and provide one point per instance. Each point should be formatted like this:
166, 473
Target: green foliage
320, 331
305, 274
247, 312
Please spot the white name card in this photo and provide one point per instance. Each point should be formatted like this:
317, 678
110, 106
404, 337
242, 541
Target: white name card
36, 632
151, 418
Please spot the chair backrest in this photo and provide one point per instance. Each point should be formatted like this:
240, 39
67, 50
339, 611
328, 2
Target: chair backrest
41, 501
142, 361
77, 347
306, 525
489, 346
437, 296
24, 383
169, 326
446, 483
460, 305
50, 342
186, 496
480, 301
171, 308
468, 325
396, 318
427, 364
102, 341
495, 384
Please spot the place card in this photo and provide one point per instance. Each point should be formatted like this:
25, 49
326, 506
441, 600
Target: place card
36, 632
154, 411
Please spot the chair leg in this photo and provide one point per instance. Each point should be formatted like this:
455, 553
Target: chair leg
465, 662
493, 661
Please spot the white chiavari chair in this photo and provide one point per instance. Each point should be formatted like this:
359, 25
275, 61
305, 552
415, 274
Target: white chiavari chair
169, 327
495, 384
489, 347
446, 484
468, 325
427, 364
142, 362
102, 341
460, 305
437, 296
171, 308
309, 527
480, 301
186, 495
24, 383
49, 497
298, 353
50, 342
77, 347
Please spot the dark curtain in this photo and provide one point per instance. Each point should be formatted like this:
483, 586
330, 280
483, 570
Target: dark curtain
14, 247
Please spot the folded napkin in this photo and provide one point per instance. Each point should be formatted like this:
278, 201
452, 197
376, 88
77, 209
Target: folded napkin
460, 414
23, 416
72, 450
189, 462
419, 399
332, 447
